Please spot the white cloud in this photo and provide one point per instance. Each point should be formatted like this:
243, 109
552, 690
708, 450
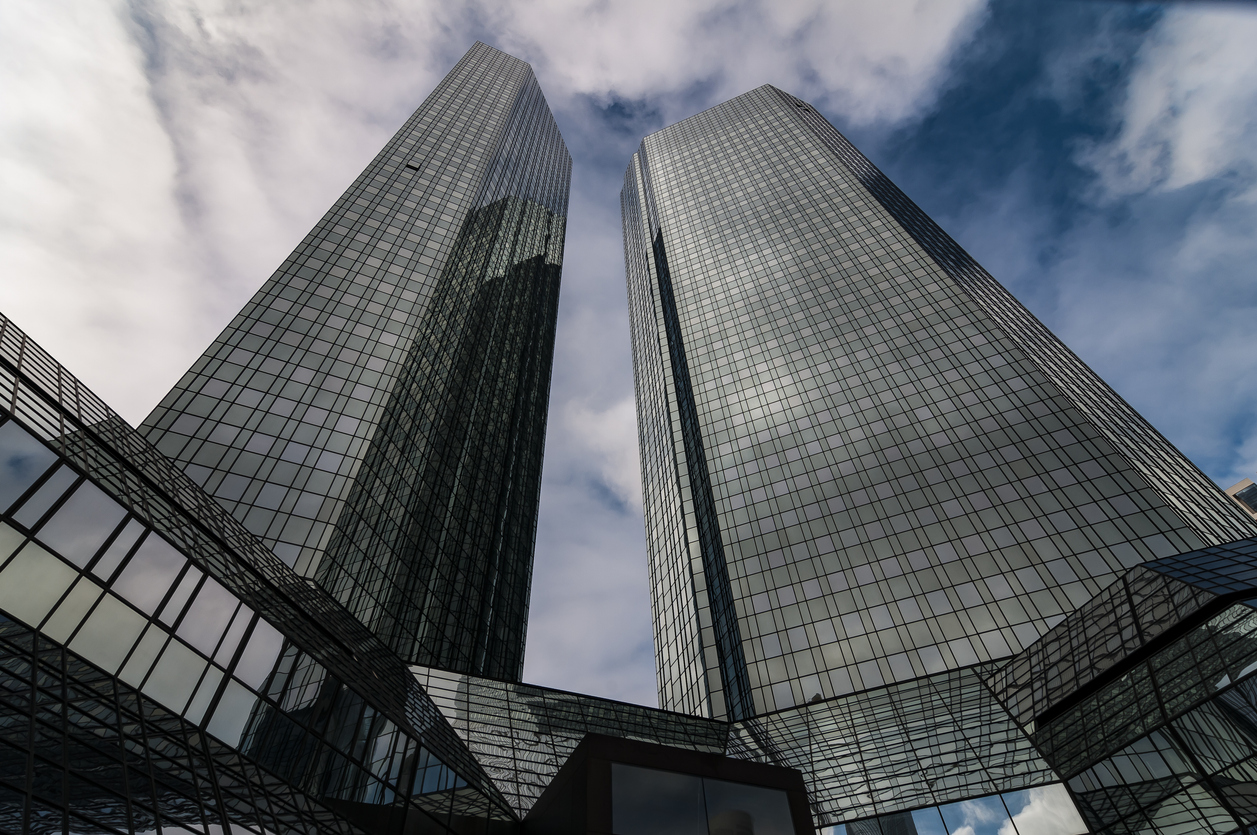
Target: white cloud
1190, 112
1048, 812
1182, 167
609, 439
159, 159
872, 61
91, 235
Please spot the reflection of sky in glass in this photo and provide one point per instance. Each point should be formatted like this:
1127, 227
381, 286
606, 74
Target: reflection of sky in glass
150, 573
79, 526
22, 460
259, 656
1047, 810
928, 822
984, 816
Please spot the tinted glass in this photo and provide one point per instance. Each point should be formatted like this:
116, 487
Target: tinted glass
150, 573
645, 801
23, 459
739, 809
208, 616
81, 525
34, 508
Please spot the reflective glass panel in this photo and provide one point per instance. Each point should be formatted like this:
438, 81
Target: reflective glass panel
34, 508
645, 801
23, 459
232, 639
109, 633
984, 816
145, 654
32, 583
117, 550
179, 597
739, 809
149, 574
928, 822
10, 538
258, 658
1046, 810
204, 695
72, 610
81, 525
208, 616
232, 713
175, 676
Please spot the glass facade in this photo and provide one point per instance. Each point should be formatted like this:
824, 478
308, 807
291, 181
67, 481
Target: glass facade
376, 413
913, 565
864, 462
161, 669
1143, 699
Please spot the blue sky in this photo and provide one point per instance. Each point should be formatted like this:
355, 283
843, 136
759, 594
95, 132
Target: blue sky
158, 160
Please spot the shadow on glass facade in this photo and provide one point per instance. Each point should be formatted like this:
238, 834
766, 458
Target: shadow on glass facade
377, 411
445, 503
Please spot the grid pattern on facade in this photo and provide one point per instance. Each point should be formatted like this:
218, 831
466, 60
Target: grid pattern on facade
900, 489
685, 659
1189, 491
1011, 813
1098, 637
1196, 773
1149, 607
1222, 570
522, 734
90, 563
932, 741
919, 744
81, 751
278, 418
1157, 690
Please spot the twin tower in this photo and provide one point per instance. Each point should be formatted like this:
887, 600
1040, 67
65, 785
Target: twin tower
900, 538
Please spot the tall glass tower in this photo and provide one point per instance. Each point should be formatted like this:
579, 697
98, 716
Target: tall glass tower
864, 461
376, 413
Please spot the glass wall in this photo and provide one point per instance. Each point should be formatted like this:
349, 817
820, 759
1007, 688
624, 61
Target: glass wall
1046, 810
647, 801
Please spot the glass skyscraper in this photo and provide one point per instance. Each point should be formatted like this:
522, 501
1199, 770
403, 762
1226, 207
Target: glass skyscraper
900, 537
205, 624
376, 413
917, 571
864, 461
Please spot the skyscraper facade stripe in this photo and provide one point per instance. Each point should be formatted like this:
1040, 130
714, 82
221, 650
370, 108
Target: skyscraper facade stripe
908, 473
376, 413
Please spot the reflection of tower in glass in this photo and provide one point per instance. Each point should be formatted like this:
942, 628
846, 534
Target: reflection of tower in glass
895, 824
376, 413
456, 458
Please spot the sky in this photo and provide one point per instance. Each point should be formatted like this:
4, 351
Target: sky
159, 159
